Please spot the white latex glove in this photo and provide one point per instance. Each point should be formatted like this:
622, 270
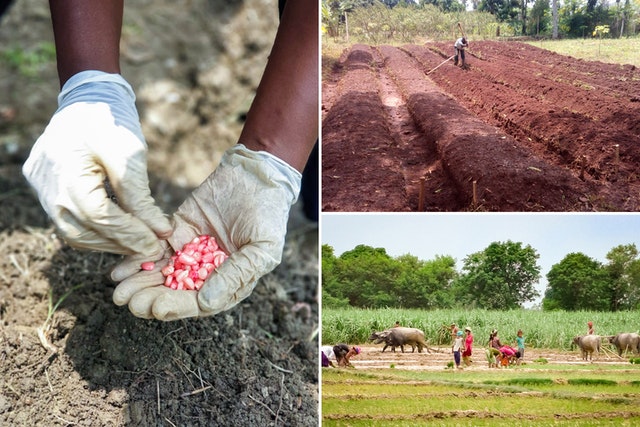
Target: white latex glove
94, 134
245, 205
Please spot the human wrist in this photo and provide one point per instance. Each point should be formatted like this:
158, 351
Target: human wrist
276, 168
95, 87
294, 155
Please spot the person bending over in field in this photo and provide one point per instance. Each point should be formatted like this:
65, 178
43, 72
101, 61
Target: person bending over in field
343, 354
508, 355
326, 352
459, 46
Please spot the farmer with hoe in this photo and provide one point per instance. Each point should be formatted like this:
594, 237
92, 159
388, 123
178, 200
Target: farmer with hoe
95, 135
459, 47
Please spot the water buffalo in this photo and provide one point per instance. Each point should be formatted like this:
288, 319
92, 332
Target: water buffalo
378, 337
626, 341
588, 344
399, 337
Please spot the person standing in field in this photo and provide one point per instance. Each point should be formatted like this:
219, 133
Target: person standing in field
454, 332
494, 344
590, 330
520, 343
468, 343
494, 341
459, 47
457, 348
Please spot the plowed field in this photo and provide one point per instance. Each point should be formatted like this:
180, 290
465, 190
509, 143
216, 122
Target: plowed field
520, 129
372, 357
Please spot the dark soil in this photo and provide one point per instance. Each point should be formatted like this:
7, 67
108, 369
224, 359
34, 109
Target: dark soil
195, 66
519, 129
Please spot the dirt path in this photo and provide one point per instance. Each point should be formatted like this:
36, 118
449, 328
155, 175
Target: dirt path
417, 156
535, 130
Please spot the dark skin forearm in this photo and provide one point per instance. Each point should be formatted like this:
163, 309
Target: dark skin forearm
87, 35
283, 118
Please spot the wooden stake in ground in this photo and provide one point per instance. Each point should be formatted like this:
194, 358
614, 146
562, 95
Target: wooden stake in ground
475, 194
421, 195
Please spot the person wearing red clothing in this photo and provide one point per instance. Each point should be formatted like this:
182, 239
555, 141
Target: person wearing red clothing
468, 343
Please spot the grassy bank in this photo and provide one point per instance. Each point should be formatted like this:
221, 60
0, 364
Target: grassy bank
616, 51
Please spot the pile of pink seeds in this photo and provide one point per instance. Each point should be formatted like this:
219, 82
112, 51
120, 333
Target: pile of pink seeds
190, 267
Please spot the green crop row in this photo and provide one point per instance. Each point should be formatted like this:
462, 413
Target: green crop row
541, 329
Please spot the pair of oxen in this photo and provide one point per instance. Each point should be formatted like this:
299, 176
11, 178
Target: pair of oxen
623, 342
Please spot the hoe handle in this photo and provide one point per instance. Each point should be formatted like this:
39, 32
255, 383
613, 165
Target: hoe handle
462, 31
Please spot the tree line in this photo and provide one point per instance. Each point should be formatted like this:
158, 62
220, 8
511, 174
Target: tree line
379, 20
500, 277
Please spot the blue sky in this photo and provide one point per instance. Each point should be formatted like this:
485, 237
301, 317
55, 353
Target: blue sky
461, 234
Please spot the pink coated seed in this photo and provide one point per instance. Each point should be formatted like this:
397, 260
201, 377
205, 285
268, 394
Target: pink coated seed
189, 267
148, 266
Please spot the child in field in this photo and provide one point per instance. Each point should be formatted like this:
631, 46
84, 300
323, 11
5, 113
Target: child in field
454, 331
520, 343
507, 354
590, 331
457, 349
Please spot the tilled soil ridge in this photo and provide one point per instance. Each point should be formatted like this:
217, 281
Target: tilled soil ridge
467, 145
358, 118
535, 130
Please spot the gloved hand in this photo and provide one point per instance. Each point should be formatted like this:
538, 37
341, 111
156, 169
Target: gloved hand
94, 134
245, 205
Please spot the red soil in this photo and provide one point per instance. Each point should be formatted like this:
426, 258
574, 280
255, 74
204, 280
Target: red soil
534, 130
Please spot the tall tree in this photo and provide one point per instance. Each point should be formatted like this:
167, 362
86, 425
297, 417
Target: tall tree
576, 283
332, 295
554, 13
624, 277
425, 284
367, 276
539, 15
501, 277
503, 10
523, 11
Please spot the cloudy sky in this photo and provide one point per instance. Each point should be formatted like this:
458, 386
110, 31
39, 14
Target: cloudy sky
460, 234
